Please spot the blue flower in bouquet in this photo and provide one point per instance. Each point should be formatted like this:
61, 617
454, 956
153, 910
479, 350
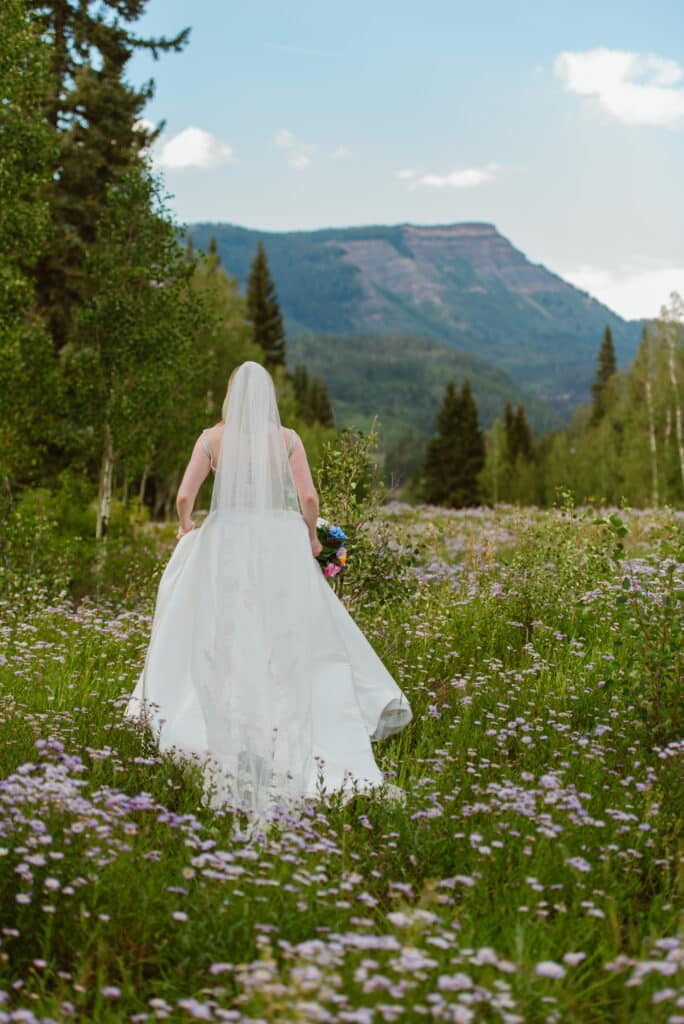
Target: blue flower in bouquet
333, 556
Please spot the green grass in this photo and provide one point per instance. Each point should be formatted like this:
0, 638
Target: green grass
542, 815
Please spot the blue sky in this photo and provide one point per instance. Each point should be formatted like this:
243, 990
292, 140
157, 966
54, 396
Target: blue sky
561, 123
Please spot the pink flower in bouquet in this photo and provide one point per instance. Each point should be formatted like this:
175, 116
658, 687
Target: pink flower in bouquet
331, 570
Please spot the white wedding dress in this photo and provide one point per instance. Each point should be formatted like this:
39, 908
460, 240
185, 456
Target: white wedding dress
254, 665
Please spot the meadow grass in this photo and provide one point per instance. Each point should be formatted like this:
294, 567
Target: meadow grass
532, 871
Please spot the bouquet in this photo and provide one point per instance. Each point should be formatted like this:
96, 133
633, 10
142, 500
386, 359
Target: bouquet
333, 557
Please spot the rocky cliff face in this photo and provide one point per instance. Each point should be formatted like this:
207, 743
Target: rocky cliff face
464, 285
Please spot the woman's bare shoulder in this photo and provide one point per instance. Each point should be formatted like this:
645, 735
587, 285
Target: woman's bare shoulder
215, 433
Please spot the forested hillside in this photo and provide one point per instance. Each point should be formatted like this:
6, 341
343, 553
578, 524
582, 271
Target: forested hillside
400, 380
463, 285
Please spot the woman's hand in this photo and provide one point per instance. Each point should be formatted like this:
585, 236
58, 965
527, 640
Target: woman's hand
184, 527
316, 547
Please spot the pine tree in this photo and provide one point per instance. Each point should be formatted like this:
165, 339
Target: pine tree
605, 370
455, 456
300, 383
313, 400
509, 418
321, 405
521, 440
264, 312
472, 454
94, 114
440, 450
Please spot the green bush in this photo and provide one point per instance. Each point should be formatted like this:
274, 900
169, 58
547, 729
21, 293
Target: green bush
48, 548
351, 491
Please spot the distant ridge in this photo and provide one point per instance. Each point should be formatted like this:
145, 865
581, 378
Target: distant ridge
463, 285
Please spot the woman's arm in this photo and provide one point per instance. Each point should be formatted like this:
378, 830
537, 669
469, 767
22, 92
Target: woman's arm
194, 476
308, 498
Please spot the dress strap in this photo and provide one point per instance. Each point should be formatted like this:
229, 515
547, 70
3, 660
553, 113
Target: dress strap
291, 442
207, 449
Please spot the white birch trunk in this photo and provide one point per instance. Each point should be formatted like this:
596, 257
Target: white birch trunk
652, 441
105, 491
670, 332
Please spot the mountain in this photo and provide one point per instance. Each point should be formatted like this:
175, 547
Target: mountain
401, 380
462, 285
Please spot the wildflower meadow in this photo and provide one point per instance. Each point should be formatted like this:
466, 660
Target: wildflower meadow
521, 864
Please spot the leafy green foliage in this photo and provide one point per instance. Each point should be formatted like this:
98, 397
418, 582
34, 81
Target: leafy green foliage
134, 333
28, 369
634, 451
350, 492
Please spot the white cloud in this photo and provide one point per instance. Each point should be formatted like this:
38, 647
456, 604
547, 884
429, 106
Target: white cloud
634, 88
633, 292
298, 153
342, 153
192, 147
144, 124
468, 177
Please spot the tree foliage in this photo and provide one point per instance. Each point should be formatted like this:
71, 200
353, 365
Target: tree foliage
605, 370
264, 311
313, 400
633, 452
28, 370
95, 116
455, 456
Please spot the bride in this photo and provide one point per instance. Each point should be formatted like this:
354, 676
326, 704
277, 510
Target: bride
254, 665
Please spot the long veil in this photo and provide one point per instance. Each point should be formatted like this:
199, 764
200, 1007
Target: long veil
253, 472
250, 640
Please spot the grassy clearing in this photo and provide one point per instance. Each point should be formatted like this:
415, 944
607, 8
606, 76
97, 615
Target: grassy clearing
530, 875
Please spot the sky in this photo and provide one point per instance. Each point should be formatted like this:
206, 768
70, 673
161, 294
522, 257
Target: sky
561, 123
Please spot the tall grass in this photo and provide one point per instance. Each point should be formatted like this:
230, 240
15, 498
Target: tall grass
529, 874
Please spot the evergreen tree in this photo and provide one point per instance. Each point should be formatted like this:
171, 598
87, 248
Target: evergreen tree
300, 383
518, 434
455, 456
95, 116
319, 401
313, 400
440, 450
28, 367
264, 312
522, 435
472, 453
509, 422
605, 370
